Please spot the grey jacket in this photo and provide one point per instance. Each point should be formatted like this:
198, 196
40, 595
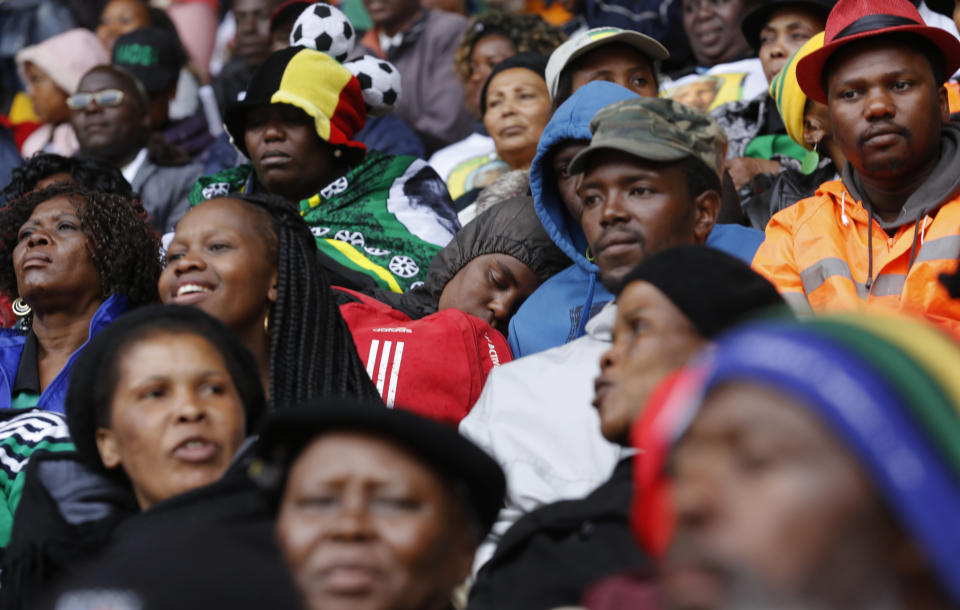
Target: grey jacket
432, 98
163, 190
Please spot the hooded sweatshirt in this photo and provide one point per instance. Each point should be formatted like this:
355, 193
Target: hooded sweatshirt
832, 252
65, 58
510, 228
559, 310
438, 361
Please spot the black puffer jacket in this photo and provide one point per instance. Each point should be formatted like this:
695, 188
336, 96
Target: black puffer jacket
789, 187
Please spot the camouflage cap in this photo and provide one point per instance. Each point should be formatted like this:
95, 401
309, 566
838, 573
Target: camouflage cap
655, 129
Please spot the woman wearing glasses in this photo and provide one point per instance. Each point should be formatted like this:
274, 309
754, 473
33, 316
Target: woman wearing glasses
110, 114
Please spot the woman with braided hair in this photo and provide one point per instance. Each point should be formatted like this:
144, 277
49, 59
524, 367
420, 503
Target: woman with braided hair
251, 262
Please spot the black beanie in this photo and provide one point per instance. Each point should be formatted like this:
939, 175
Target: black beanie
712, 288
534, 62
96, 369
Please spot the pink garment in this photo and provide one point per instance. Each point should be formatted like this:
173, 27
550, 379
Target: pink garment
196, 24
65, 57
634, 589
60, 140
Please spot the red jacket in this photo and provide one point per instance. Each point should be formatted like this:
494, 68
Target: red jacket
435, 366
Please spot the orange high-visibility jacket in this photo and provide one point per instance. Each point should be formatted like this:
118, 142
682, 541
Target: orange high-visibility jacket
816, 253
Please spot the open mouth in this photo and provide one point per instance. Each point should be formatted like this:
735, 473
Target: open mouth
195, 449
187, 294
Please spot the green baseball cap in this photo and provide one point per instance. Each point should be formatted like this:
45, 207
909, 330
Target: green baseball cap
655, 129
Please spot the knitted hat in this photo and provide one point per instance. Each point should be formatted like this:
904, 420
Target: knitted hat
786, 92
713, 289
885, 386
312, 81
99, 359
853, 20
65, 57
285, 435
534, 62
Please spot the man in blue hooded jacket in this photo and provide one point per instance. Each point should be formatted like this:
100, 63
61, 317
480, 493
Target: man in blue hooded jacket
555, 313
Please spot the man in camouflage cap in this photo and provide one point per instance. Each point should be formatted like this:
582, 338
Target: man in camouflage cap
651, 179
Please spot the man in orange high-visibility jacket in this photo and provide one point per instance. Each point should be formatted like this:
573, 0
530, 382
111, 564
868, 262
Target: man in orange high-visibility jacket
883, 233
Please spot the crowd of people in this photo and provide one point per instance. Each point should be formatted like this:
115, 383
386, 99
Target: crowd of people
480, 304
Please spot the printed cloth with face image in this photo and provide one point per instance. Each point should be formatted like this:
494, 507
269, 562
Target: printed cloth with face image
382, 218
721, 84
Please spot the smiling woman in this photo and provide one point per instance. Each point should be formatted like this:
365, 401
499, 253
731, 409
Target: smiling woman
250, 262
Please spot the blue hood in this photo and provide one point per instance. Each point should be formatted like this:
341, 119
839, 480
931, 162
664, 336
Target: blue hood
571, 121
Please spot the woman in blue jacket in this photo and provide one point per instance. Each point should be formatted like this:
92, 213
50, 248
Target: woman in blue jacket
71, 260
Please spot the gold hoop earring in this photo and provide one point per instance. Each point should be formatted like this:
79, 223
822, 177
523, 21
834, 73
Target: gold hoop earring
20, 307
590, 256
266, 323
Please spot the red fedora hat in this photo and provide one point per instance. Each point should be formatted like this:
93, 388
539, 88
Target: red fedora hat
852, 20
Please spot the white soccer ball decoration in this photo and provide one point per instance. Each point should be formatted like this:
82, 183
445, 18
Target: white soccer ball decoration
326, 29
379, 81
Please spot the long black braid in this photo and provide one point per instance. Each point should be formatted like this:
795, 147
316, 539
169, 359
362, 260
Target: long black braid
312, 353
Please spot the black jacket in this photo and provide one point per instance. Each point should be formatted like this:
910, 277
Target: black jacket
551, 555
207, 548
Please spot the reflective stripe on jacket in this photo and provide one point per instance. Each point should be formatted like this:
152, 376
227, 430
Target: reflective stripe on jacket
818, 254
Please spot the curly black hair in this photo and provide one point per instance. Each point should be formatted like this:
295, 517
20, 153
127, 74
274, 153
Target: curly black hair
528, 33
123, 247
88, 173
312, 353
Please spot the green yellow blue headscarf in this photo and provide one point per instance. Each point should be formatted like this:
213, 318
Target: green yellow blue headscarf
886, 386
785, 90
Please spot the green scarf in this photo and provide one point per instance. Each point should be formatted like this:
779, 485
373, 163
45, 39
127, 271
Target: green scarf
387, 217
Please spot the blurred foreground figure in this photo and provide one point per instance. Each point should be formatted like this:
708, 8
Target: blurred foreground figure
818, 469
377, 508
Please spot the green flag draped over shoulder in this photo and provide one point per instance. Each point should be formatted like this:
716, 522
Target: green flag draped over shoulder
387, 217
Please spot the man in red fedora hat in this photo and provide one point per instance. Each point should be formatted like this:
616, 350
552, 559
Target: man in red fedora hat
881, 234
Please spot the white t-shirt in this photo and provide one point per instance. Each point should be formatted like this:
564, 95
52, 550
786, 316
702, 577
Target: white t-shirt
470, 163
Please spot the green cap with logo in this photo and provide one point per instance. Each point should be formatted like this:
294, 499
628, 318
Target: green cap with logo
655, 129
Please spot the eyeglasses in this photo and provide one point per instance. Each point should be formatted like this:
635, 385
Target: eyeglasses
105, 98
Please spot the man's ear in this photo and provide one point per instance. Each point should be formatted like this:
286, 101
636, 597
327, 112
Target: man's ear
814, 131
706, 210
107, 446
944, 100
